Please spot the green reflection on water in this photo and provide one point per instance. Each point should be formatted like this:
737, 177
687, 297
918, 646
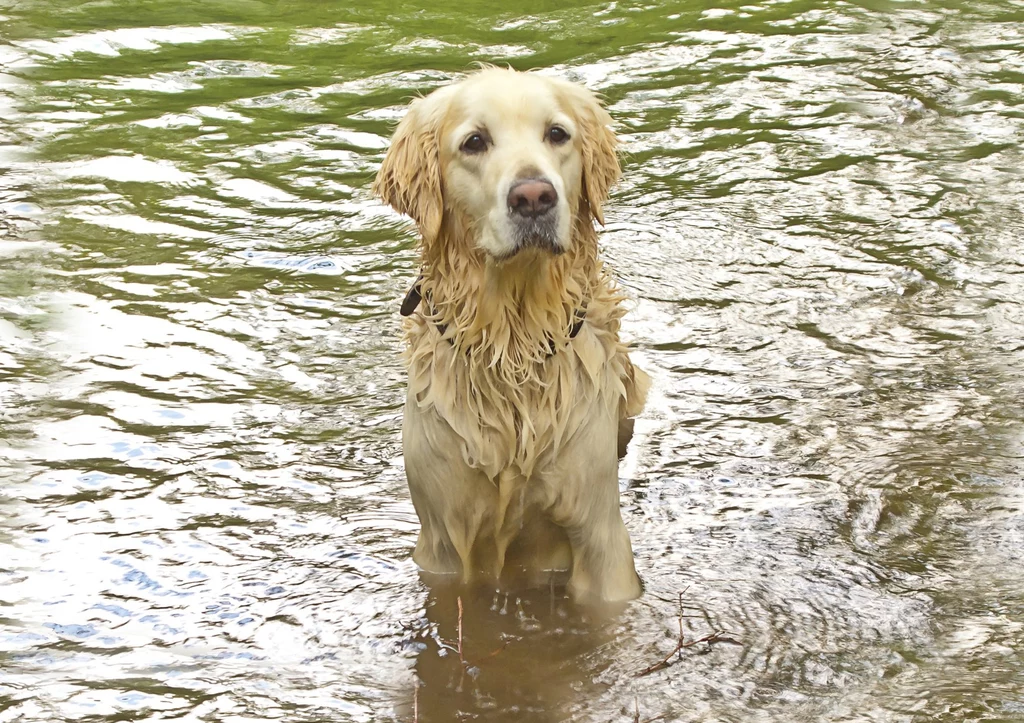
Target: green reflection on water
200, 385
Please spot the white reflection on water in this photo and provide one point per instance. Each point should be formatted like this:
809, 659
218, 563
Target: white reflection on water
203, 505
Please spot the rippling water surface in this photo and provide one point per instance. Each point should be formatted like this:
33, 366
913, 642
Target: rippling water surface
203, 513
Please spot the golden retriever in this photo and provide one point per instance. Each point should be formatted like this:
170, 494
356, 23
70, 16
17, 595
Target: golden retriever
518, 382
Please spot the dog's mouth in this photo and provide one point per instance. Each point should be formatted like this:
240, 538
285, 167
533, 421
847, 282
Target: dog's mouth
537, 233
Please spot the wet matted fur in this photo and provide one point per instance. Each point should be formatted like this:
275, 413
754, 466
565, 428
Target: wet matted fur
514, 409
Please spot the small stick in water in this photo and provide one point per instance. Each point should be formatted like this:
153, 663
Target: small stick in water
461, 659
636, 713
718, 636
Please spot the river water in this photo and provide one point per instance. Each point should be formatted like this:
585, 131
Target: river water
203, 513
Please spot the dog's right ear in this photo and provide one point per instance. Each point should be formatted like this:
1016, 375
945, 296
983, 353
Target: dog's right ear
409, 179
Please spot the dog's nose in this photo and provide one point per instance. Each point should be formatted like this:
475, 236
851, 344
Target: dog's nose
532, 197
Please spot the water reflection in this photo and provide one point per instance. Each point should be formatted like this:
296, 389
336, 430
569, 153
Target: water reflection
202, 505
519, 657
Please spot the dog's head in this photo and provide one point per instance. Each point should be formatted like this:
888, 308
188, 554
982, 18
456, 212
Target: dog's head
517, 156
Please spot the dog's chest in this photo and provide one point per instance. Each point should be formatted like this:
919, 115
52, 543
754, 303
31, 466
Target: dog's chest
507, 423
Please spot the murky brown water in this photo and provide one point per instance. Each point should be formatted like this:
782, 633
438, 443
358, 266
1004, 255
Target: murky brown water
203, 514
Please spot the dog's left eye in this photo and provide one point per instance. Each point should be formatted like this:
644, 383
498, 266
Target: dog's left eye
558, 135
476, 143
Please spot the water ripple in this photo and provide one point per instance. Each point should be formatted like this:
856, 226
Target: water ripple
203, 511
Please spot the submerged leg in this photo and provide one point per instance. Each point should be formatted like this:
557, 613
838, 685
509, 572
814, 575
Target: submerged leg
587, 507
449, 496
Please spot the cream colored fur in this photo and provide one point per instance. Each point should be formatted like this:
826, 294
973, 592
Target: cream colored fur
510, 449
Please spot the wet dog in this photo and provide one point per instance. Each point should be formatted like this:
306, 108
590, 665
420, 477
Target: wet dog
519, 386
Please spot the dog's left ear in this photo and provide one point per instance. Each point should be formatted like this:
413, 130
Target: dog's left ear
600, 161
409, 179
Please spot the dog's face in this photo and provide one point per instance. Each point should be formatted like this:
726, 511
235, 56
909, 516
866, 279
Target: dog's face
516, 155
512, 161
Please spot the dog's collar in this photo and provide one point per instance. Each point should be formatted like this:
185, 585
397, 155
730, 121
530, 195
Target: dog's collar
415, 297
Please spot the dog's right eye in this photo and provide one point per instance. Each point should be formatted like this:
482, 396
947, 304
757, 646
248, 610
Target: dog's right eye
476, 143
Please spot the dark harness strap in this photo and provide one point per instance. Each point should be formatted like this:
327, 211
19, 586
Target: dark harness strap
412, 300
415, 297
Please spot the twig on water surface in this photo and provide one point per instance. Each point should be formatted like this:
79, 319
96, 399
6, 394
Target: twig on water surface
416, 703
461, 659
636, 713
457, 647
498, 650
718, 636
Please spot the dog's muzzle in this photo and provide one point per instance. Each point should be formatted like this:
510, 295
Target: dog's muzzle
533, 213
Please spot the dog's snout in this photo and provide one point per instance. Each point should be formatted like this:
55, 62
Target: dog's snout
532, 197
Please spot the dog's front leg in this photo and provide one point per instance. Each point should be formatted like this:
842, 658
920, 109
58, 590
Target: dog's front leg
586, 490
450, 497
602, 562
